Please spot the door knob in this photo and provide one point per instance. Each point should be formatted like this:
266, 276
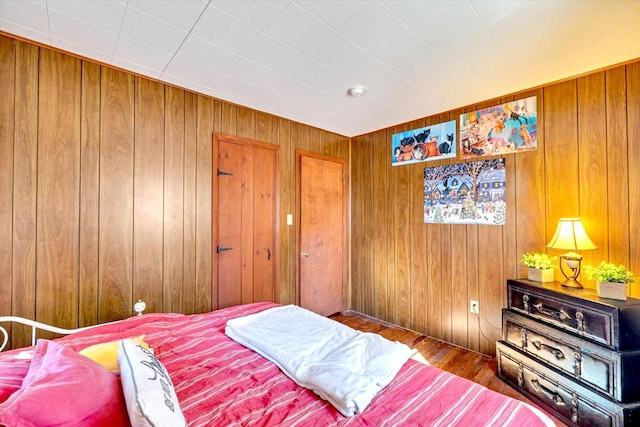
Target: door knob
304, 254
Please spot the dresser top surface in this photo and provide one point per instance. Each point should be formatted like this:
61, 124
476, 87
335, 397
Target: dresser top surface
584, 294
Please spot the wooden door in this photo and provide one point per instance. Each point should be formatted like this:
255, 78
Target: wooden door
246, 244
322, 230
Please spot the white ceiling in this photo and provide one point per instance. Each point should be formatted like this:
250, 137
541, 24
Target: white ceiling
297, 58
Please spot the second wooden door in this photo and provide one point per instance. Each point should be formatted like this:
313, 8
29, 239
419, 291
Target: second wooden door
322, 241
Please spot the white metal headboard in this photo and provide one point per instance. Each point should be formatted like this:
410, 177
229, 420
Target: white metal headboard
34, 328
138, 307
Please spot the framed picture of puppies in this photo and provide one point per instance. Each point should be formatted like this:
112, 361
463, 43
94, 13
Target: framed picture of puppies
433, 142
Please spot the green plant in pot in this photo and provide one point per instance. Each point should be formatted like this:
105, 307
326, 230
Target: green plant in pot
541, 266
612, 279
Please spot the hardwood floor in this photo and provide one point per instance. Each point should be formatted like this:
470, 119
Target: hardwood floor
465, 363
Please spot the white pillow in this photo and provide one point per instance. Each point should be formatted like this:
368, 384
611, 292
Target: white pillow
148, 392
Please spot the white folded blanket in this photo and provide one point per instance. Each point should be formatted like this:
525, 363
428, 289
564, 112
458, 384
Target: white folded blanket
342, 365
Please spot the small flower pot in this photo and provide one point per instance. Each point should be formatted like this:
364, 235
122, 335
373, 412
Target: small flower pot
612, 290
541, 275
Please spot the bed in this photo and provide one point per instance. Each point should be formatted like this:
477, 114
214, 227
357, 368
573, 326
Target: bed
219, 382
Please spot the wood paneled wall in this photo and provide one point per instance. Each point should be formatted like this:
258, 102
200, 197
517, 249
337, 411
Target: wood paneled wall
105, 189
105, 198
423, 276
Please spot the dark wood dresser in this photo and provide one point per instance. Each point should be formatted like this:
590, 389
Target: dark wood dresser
570, 351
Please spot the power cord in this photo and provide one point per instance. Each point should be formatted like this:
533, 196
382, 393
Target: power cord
480, 328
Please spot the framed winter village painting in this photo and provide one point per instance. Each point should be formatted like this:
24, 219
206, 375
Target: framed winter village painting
466, 193
502, 129
421, 145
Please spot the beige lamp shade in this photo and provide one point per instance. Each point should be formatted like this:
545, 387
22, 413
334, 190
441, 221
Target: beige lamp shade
570, 235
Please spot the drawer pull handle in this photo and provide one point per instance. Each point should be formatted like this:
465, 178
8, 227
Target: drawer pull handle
520, 375
553, 350
580, 321
577, 364
556, 314
574, 408
551, 395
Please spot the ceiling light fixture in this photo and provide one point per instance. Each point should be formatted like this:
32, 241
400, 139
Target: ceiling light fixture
355, 91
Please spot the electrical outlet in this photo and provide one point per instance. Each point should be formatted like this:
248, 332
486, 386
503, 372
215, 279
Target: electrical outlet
474, 307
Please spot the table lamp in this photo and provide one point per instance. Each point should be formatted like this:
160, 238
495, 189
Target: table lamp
570, 235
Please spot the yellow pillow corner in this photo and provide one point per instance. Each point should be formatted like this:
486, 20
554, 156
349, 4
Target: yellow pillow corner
106, 354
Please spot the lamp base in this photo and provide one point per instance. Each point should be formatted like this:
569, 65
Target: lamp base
573, 261
571, 283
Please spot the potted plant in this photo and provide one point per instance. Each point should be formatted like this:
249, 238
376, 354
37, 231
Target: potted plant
541, 266
612, 279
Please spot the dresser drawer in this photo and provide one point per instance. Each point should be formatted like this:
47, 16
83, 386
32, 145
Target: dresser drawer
615, 324
569, 401
589, 364
569, 315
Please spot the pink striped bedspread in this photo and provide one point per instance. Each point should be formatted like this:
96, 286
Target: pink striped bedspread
221, 383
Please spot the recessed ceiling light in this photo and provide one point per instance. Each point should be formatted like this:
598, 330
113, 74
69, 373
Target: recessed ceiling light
355, 91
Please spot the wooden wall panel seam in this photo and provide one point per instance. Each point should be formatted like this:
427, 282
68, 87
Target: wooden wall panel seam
7, 160
25, 179
88, 232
